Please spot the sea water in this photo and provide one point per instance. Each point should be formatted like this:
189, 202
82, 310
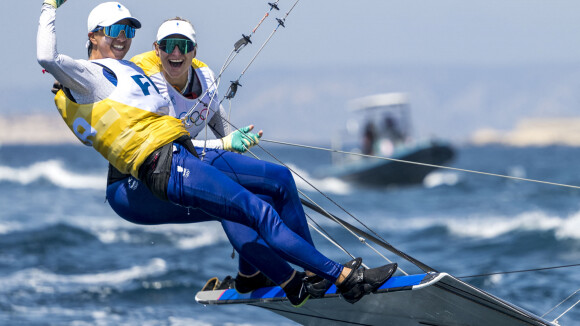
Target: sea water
67, 259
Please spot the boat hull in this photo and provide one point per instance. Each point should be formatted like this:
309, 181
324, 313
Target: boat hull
424, 299
381, 172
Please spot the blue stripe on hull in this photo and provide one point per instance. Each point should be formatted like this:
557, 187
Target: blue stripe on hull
393, 283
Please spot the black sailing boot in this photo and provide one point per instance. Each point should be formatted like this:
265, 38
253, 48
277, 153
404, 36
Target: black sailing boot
317, 285
296, 291
364, 281
245, 284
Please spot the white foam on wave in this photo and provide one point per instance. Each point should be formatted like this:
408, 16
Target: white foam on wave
326, 185
208, 236
46, 282
491, 227
51, 311
54, 172
9, 226
435, 179
182, 321
493, 280
569, 228
484, 226
110, 229
183, 236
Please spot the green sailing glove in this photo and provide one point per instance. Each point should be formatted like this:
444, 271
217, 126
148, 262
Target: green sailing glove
55, 3
241, 140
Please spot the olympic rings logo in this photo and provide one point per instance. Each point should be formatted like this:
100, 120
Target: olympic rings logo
196, 118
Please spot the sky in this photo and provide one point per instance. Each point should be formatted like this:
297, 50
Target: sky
466, 64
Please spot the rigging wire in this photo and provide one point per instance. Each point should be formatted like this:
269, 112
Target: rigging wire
422, 164
567, 310
556, 306
238, 46
325, 235
521, 271
342, 223
234, 84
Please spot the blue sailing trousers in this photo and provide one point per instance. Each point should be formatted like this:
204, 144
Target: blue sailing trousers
256, 202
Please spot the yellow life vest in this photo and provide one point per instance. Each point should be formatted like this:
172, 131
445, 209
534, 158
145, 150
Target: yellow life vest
126, 127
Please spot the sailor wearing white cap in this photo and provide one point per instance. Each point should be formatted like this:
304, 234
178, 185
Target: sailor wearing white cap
118, 28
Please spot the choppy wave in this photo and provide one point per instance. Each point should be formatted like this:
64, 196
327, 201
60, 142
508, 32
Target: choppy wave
487, 227
54, 172
8, 226
490, 227
435, 179
182, 236
185, 237
113, 229
327, 185
42, 281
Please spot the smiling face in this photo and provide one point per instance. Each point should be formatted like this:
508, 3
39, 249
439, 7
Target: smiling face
175, 64
108, 47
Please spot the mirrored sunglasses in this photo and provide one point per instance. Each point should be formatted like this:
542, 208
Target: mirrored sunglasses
115, 30
169, 44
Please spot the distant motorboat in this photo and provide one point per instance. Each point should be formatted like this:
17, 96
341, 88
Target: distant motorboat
383, 129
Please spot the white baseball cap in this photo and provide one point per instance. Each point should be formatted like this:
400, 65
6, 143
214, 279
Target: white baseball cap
172, 27
108, 13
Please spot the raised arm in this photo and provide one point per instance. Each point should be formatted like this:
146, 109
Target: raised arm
69, 72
